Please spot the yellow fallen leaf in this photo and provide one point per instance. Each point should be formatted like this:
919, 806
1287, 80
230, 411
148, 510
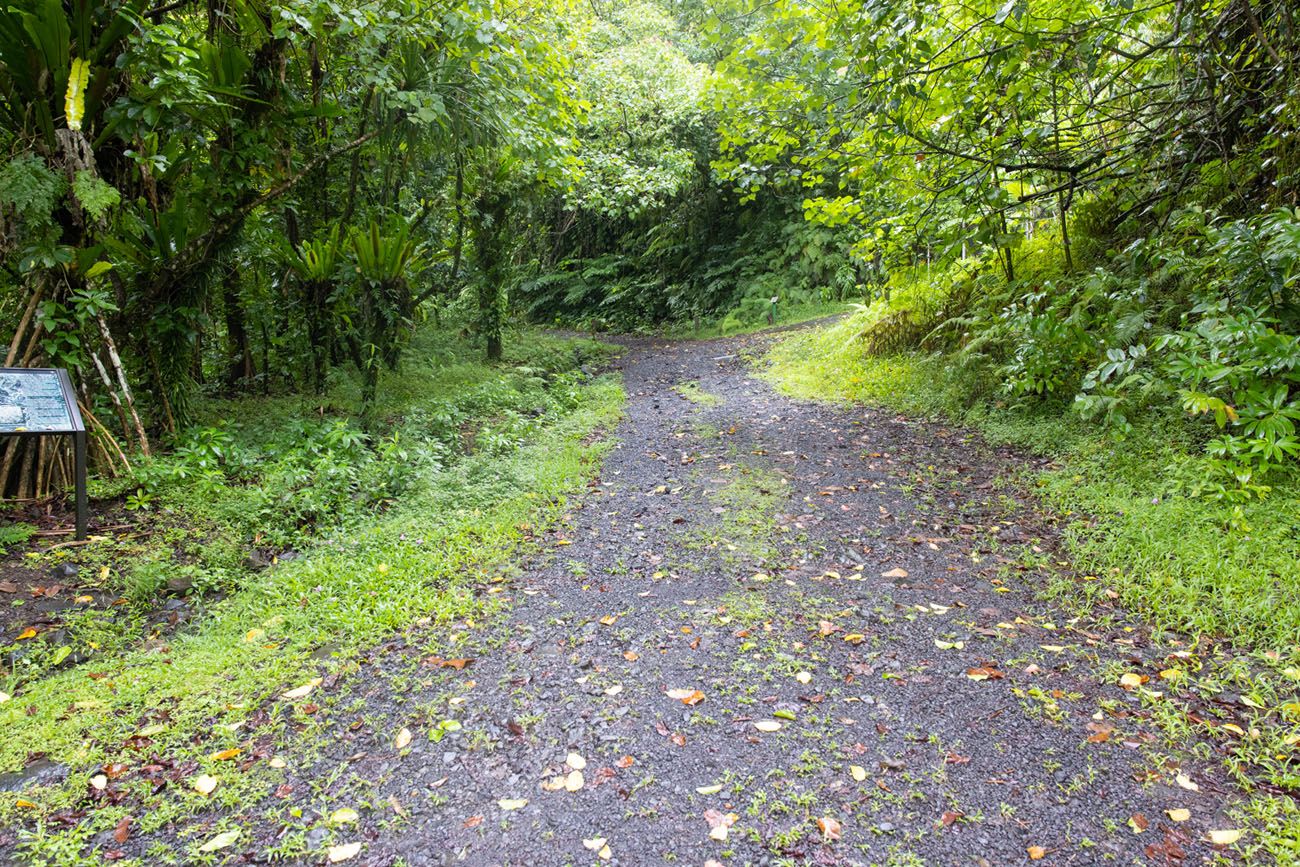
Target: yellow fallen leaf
304, 690
1036, 853
344, 816
688, 697
609, 619
225, 755
99, 782
858, 772
767, 725
855, 638
1131, 680
709, 790
24, 805
803, 677
1053, 648
1186, 782
1226, 837
512, 803
1235, 729
575, 761
253, 635
574, 781
894, 573
221, 841
276, 762
205, 784
343, 852
27, 633
614, 690
403, 739
1179, 814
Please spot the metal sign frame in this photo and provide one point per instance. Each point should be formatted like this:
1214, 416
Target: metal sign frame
76, 429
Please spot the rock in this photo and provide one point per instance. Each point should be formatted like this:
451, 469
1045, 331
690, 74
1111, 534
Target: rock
64, 571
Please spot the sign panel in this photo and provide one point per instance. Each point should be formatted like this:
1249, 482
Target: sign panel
35, 400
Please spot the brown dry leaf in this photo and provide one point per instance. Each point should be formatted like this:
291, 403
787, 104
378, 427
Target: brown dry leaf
984, 672
950, 816
829, 827
825, 627
625, 762
1101, 732
719, 823
122, 832
631, 655
1138, 823
439, 662
472, 822
678, 738
1036, 853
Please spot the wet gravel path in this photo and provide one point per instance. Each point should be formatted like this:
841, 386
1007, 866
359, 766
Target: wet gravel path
774, 632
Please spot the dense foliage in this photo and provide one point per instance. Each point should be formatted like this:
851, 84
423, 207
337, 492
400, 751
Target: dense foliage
256, 197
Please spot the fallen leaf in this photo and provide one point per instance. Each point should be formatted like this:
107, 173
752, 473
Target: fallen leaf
950, 816
767, 725
575, 761
1187, 783
205, 784
99, 782
574, 781
304, 690
344, 816
122, 832
709, 790
609, 619
894, 573
27, 633
1138, 823
855, 638
1132, 680
1036, 853
343, 852
858, 772
614, 690
24, 805
253, 635
403, 739
984, 672
276, 762
472, 822
803, 677
1226, 837
4, 697
689, 697
829, 827
719, 823
221, 841
1179, 814
512, 803
225, 755
678, 738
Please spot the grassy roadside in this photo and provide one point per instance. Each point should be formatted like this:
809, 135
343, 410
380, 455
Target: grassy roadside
182, 700
1227, 590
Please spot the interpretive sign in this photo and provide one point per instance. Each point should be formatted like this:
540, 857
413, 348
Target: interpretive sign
36, 401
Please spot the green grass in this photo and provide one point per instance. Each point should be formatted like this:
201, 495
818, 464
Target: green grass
461, 521
739, 322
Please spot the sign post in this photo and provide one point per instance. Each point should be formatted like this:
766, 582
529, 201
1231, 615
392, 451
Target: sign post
39, 401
